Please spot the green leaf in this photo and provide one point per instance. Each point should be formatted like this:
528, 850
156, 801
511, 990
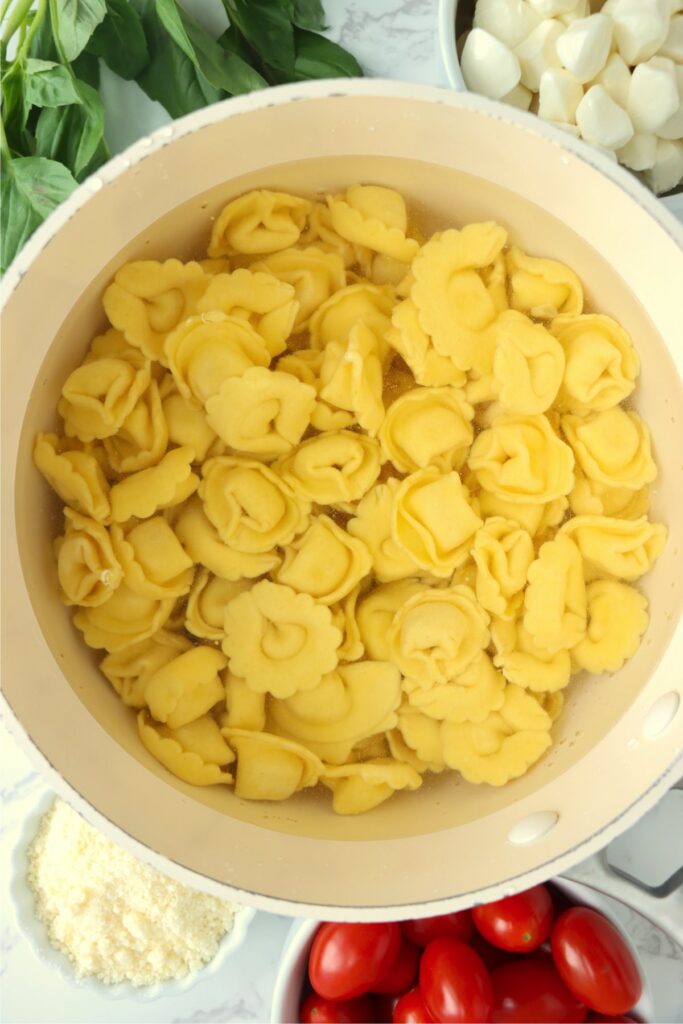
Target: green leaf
267, 27
14, 111
120, 40
48, 84
43, 42
309, 14
76, 20
31, 188
234, 41
87, 68
221, 68
318, 57
73, 134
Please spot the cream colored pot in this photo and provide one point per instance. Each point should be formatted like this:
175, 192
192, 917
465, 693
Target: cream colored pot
458, 158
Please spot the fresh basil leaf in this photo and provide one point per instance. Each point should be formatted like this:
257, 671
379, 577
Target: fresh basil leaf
87, 68
42, 43
31, 188
76, 20
14, 110
120, 40
171, 78
318, 57
48, 84
222, 69
72, 134
267, 27
234, 41
309, 14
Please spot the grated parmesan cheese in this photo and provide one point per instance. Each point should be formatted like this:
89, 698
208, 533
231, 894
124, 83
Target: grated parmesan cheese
114, 917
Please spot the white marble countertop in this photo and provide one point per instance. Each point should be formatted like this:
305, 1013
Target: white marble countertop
392, 39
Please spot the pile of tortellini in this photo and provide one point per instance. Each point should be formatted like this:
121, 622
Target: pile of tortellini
345, 505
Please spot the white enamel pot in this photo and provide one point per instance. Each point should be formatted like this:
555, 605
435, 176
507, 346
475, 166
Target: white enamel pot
457, 158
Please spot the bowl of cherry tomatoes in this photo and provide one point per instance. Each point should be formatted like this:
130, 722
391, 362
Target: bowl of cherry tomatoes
532, 957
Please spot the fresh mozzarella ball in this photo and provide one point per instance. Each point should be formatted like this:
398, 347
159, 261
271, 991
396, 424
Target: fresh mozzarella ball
519, 97
667, 170
538, 52
673, 128
559, 95
673, 44
602, 121
639, 153
511, 21
653, 95
616, 78
640, 28
584, 47
488, 66
552, 8
582, 10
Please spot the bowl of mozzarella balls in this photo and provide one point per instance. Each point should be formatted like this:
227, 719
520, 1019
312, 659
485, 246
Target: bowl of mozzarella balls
607, 71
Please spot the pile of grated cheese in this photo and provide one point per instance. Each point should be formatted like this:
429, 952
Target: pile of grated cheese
113, 916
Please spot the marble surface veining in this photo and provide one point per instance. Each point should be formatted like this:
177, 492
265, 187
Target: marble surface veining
393, 39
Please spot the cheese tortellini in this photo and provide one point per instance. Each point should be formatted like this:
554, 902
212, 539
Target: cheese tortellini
346, 504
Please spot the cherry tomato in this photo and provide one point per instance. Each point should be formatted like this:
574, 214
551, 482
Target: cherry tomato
458, 925
316, 1010
595, 962
348, 960
518, 923
411, 1009
601, 1018
454, 982
530, 991
491, 955
402, 973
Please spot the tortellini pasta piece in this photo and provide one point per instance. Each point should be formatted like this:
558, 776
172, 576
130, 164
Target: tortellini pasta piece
128, 670
351, 377
345, 707
535, 518
200, 540
142, 439
76, 477
616, 547
321, 233
400, 751
98, 396
324, 562
590, 497
187, 687
252, 509
437, 634
375, 217
542, 288
88, 569
267, 303
421, 734
331, 468
168, 483
244, 708
524, 663
469, 697
205, 612
427, 427
152, 559
372, 525
206, 350
502, 747
521, 459
305, 364
186, 424
503, 553
377, 610
528, 364
617, 619
344, 618
612, 447
555, 598
194, 753
370, 304
125, 619
271, 767
263, 412
432, 520
279, 641
455, 306
148, 299
602, 364
258, 222
313, 273
428, 366
357, 788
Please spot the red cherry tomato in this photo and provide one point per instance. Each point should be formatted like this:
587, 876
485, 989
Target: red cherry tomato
491, 955
530, 991
601, 1018
454, 982
316, 1010
411, 1009
348, 960
595, 962
402, 973
518, 923
458, 925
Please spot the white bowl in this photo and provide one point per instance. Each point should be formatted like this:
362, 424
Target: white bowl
35, 932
